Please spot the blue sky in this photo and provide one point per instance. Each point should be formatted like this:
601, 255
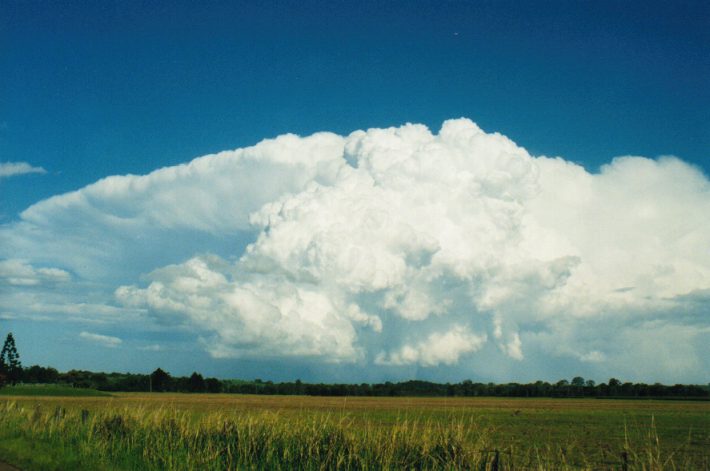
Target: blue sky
94, 89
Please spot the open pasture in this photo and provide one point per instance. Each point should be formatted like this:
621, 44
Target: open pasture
185, 431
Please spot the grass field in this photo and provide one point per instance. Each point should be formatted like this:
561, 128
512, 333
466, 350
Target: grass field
182, 431
49, 390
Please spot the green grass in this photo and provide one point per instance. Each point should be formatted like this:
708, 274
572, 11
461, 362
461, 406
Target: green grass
49, 390
39, 454
217, 432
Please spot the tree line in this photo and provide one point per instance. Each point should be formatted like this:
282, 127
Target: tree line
161, 381
11, 372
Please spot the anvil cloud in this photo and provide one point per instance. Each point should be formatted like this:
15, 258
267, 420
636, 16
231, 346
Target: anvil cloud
387, 248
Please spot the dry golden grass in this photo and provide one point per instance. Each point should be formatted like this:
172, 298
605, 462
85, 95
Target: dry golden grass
546, 433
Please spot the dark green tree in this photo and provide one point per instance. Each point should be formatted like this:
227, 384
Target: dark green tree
196, 383
614, 385
160, 380
3, 372
38, 374
213, 385
10, 360
578, 381
3, 365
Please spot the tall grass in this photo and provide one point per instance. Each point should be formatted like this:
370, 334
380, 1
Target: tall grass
169, 439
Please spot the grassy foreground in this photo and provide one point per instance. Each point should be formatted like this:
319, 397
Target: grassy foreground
216, 432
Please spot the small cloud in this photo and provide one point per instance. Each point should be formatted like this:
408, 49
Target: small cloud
103, 340
594, 356
20, 273
11, 169
513, 348
151, 348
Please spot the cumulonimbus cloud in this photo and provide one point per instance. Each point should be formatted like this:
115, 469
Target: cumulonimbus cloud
441, 246
459, 226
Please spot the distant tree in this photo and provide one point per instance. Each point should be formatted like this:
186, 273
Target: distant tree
590, 383
160, 380
10, 360
614, 385
3, 376
3, 371
3, 361
196, 383
99, 380
213, 385
38, 374
578, 381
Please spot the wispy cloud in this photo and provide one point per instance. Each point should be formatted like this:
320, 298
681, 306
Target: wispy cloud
103, 340
11, 169
152, 348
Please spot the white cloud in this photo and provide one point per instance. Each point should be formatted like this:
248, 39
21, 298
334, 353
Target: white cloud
152, 348
436, 349
20, 273
638, 227
397, 246
199, 195
103, 340
262, 317
11, 169
152, 218
594, 356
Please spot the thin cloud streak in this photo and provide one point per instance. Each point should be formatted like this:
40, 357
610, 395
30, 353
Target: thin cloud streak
103, 340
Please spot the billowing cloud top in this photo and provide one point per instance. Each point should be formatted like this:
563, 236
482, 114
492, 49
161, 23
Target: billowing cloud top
396, 246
